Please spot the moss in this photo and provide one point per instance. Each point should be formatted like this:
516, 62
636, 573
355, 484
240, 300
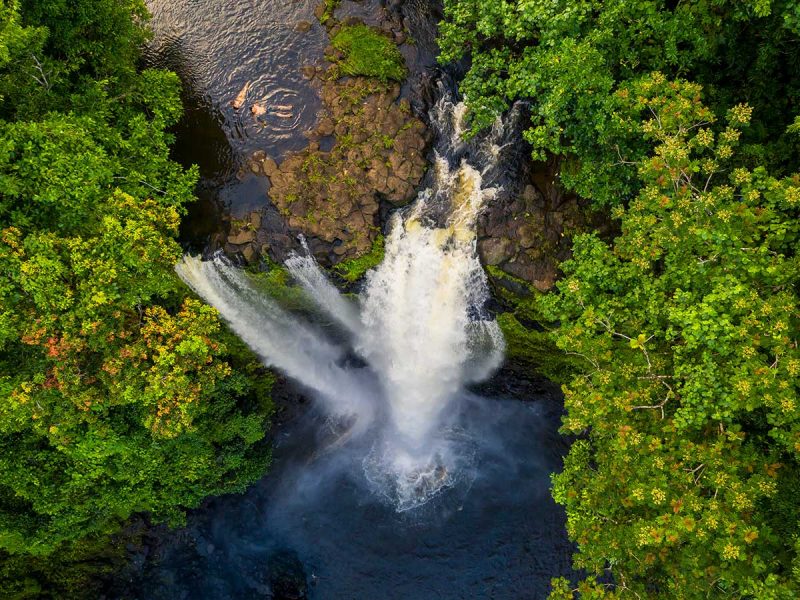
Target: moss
330, 8
528, 338
353, 270
368, 52
276, 282
536, 349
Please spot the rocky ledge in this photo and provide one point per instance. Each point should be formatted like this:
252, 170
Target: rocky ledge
366, 153
376, 155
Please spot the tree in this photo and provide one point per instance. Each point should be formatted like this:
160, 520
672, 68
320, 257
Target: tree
119, 392
570, 57
683, 482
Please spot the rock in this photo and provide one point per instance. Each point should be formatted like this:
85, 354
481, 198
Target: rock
250, 254
530, 193
298, 208
319, 10
255, 219
269, 166
494, 251
395, 160
309, 71
328, 190
394, 183
259, 155
528, 235
303, 27
404, 172
243, 237
355, 221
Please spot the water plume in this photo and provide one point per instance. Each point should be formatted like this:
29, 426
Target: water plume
419, 326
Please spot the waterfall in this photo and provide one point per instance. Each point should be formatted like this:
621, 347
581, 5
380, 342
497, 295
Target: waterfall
419, 324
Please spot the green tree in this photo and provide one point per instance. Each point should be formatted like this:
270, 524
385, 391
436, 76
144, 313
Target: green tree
683, 482
119, 393
570, 57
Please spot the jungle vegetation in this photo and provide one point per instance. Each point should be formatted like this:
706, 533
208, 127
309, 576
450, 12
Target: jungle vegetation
680, 119
120, 394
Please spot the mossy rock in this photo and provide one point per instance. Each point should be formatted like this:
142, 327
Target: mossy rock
354, 269
527, 333
368, 52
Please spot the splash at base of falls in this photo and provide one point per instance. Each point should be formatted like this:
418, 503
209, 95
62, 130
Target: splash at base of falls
419, 326
408, 481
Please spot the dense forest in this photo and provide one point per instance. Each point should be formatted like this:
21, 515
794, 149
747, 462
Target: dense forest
681, 120
123, 395
120, 393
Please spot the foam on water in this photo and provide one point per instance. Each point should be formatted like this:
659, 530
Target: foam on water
419, 325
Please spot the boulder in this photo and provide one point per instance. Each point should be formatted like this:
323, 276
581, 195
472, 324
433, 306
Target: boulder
244, 236
250, 254
309, 71
269, 166
494, 251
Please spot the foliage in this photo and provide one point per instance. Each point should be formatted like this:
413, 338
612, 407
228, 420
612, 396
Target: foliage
329, 10
526, 330
368, 52
354, 269
76, 53
118, 393
571, 57
683, 484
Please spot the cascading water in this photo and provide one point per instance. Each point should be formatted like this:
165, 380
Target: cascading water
419, 324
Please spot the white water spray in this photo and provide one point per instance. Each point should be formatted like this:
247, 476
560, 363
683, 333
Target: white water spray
419, 325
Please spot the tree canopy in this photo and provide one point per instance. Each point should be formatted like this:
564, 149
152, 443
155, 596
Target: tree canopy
680, 118
119, 392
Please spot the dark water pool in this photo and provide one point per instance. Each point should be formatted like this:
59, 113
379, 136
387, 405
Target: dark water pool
314, 525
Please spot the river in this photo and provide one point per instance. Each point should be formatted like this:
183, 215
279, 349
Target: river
318, 525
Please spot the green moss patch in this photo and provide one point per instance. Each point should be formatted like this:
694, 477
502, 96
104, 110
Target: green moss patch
353, 270
369, 53
529, 345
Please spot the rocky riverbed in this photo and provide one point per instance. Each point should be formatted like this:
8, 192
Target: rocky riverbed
366, 155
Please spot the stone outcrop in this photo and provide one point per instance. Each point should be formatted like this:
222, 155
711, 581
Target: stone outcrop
529, 234
376, 154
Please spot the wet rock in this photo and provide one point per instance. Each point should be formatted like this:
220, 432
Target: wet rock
309, 71
255, 219
528, 235
250, 254
303, 26
242, 237
287, 578
494, 251
269, 166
